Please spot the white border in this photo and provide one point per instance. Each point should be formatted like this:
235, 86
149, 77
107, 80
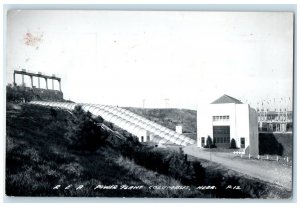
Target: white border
212, 5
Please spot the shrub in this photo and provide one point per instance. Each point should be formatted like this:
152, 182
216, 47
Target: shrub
83, 133
179, 166
233, 144
210, 143
174, 164
18, 93
98, 119
199, 171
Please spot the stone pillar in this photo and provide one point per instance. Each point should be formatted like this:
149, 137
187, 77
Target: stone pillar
31, 78
14, 78
46, 83
59, 85
52, 84
22, 79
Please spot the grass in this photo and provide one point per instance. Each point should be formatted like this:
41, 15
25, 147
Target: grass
217, 174
170, 118
38, 159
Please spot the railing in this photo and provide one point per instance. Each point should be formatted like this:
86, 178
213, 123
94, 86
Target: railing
285, 160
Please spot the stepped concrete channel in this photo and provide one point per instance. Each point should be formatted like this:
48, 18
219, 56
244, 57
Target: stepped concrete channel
144, 129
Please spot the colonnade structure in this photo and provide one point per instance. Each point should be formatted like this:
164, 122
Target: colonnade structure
39, 75
144, 129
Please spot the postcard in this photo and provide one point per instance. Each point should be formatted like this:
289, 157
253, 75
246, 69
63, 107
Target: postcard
149, 104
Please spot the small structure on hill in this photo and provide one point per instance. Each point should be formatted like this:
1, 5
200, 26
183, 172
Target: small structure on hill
38, 75
36, 92
179, 129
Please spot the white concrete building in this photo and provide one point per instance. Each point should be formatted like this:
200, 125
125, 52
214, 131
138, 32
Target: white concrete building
225, 119
178, 129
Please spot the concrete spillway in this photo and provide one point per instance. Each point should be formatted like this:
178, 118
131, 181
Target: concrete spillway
144, 129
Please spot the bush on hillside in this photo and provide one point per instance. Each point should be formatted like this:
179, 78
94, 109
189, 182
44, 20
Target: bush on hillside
83, 133
199, 172
178, 165
174, 164
18, 93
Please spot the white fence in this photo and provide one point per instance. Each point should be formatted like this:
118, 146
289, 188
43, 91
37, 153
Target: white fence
280, 159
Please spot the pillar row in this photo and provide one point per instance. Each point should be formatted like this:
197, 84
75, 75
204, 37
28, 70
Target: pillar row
31, 78
14, 79
46, 79
59, 85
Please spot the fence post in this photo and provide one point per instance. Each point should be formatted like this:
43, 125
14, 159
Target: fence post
267, 157
287, 159
277, 158
249, 156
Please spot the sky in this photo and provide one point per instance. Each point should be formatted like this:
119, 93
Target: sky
156, 59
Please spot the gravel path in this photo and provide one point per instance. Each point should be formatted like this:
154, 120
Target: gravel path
264, 170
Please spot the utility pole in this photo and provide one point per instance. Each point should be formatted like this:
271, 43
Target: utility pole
167, 103
210, 152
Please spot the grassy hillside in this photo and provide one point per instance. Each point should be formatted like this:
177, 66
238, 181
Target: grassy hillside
39, 157
170, 118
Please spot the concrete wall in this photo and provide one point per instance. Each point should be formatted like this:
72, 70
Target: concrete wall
47, 95
242, 124
253, 119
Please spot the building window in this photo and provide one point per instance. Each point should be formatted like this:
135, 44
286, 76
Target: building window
242, 142
221, 118
202, 141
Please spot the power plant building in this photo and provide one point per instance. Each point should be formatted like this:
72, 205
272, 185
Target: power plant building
228, 119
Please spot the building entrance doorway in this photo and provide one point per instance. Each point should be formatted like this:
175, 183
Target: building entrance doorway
202, 141
242, 142
221, 135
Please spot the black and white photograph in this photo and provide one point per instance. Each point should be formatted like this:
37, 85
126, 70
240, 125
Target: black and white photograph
149, 104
